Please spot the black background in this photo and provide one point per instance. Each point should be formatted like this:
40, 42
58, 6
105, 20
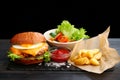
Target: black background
94, 19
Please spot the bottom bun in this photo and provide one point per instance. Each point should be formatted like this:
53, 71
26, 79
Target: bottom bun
28, 62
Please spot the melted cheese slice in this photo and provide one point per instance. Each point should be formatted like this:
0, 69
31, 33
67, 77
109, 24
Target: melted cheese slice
28, 46
32, 50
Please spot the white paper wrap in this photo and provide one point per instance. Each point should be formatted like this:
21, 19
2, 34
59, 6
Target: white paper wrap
110, 56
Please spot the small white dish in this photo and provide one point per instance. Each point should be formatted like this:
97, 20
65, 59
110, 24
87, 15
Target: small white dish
69, 45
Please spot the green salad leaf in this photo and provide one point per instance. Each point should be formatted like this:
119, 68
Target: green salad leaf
13, 56
71, 32
47, 56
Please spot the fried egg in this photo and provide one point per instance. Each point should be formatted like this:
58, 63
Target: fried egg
28, 46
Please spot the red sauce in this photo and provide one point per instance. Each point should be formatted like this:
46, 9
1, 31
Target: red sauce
60, 55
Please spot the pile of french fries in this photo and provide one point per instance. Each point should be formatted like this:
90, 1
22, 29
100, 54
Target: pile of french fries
87, 57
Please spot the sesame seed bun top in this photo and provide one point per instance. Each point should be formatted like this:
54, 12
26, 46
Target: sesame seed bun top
28, 38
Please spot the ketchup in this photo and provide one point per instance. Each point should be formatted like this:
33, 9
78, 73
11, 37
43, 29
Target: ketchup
60, 55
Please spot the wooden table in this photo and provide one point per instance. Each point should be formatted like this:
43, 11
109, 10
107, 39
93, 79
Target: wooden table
6, 74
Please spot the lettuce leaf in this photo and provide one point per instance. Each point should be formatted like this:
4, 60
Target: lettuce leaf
47, 56
13, 56
71, 32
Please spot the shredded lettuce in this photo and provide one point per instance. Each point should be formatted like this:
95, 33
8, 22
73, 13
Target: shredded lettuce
71, 32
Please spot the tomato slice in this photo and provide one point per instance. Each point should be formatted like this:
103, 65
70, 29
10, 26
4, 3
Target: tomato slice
60, 55
61, 38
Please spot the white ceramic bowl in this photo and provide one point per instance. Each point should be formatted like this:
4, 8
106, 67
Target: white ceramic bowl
69, 45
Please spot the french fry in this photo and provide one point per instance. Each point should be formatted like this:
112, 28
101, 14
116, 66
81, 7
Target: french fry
94, 61
98, 55
85, 57
73, 58
82, 61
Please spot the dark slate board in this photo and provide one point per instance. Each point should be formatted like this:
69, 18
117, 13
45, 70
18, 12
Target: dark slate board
42, 67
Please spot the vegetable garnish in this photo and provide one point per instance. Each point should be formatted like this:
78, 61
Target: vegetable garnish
13, 56
47, 56
66, 32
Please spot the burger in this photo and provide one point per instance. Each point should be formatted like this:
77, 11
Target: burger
28, 48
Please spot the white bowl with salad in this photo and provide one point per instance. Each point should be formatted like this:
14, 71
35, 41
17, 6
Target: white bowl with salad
65, 35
